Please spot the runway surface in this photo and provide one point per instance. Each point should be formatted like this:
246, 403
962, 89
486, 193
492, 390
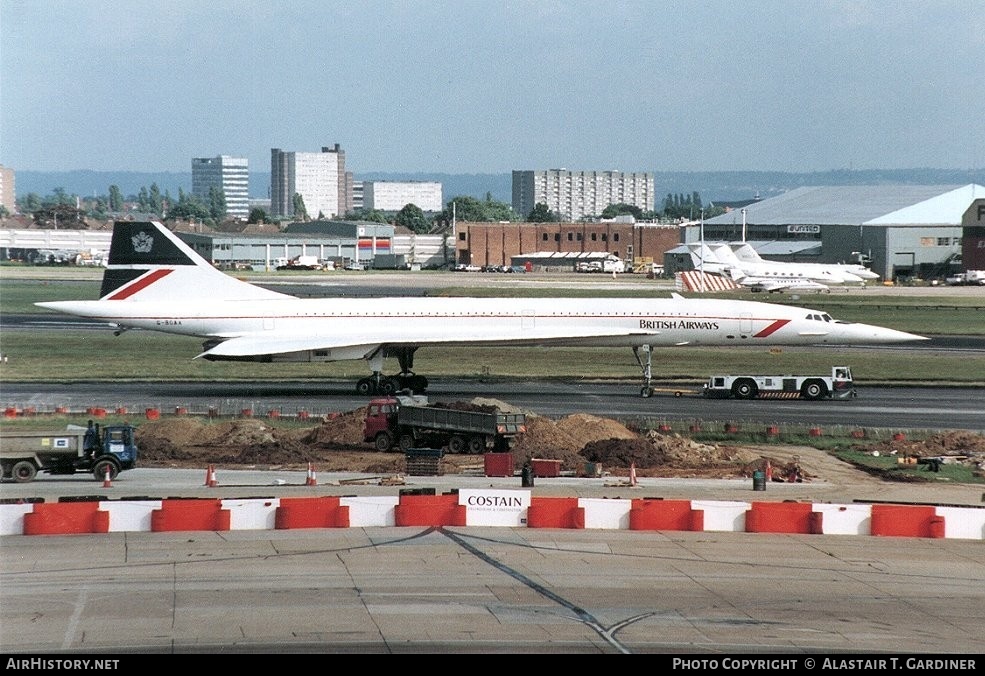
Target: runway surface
891, 408
492, 591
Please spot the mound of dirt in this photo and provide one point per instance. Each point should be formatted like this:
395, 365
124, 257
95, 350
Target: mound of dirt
335, 444
344, 430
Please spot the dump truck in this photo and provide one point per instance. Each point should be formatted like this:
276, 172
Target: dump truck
838, 385
98, 450
408, 421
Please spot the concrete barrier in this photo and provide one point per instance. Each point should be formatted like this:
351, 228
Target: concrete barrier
430, 510
781, 517
488, 507
555, 513
66, 518
650, 514
191, 515
325, 512
916, 521
843, 519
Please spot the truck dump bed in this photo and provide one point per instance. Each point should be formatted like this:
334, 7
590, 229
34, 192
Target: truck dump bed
59, 443
452, 420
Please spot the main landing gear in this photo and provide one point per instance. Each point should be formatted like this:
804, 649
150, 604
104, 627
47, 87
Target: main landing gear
405, 380
642, 353
381, 384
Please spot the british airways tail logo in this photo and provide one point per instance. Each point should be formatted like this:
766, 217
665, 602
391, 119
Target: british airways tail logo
142, 242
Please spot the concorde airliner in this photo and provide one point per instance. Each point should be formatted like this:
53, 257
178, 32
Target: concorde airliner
155, 281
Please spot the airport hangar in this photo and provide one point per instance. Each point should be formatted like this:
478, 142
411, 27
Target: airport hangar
371, 244
900, 232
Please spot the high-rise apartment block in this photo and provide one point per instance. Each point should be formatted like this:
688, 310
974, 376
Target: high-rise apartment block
574, 195
320, 179
8, 196
395, 195
229, 174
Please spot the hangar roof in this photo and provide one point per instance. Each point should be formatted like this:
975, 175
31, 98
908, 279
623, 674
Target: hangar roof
861, 205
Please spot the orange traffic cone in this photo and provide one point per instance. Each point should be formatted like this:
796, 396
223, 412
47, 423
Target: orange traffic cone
312, 479
632, 474
210, 479
107, 478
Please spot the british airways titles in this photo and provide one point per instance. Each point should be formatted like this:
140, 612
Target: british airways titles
680, 324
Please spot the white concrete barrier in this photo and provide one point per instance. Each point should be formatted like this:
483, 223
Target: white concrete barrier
723, 516
368, 512
603, 513
129, 517
963, 522
845, 519
252, 513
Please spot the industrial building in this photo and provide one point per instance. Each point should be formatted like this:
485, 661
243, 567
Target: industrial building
485, 244
574, 195
342, 243
900, 232
231, 175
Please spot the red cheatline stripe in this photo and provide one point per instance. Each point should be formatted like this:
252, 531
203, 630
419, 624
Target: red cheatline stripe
139, 284
775, 326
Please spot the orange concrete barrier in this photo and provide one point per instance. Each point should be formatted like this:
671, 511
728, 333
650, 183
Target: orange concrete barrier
178, 515
555, 513
66, 518
918, 521
429, 510
324, 512
152, 414
780, 517
665, 515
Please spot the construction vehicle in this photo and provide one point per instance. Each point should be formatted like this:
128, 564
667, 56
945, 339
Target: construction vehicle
301, 263
408, 422
838, 385
105, 451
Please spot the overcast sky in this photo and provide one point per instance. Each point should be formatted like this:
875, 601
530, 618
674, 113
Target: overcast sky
489, 86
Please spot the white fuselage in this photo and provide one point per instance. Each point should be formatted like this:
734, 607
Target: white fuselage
553, 321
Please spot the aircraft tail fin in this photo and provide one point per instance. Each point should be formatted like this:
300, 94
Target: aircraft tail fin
149, 262
746, 253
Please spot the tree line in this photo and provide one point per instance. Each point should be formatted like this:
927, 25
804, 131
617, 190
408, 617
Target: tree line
61, 210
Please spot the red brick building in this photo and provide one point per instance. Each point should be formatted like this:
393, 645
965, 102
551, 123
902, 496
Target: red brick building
495, 243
